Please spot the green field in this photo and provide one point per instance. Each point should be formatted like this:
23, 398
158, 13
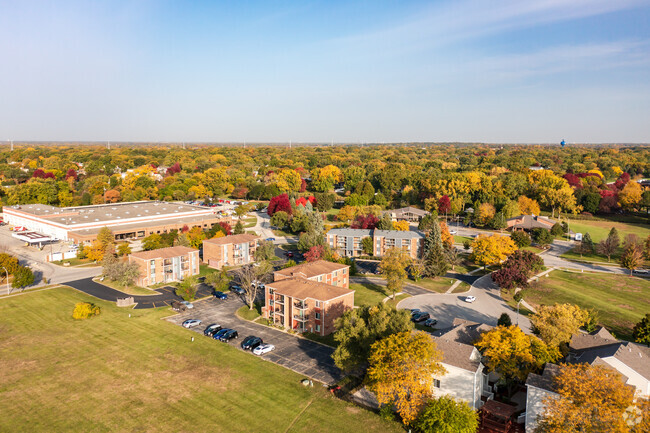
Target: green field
600, 229
438, 285
140, 373
398, 298
368, 293
620, 300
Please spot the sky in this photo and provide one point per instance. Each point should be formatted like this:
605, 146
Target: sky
497, 71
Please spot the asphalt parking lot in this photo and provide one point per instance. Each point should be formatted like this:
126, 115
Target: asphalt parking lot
303, 356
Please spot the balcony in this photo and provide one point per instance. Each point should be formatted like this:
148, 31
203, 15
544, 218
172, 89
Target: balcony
301, 317
279, 312
300, 305
279, 301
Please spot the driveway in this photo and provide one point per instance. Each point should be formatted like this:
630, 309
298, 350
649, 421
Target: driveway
486, 309
161, 297
303, 356
552, 259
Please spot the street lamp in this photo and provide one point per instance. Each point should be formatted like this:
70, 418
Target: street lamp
6, 272
518, 310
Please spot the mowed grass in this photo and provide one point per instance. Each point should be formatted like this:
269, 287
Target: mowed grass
598, 230
368, 293
438, 285
621, 301
115, 373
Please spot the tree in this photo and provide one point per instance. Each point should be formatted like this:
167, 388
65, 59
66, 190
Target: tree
498, 222
280, 219
520, 238
435, 260
366, 245
446, 415
444, 204
279, 203
586, 245
556, 324
491, 250
416, 269
385, 222
557, 230
196, 235
630, 196
219, 280
641, 331
359, 328
323, 179
365, 222
288, 180
632, 256
152, 242
106, 238
10, 263
528, 206
23, 277
542, 237
513, 354
609, 245
96, 251
324, 201
347, 213
239, 228
453, 258
393, 265
265, 251
592, 398
510, 209
123, 249
504, 320
408, 387
484, 214
445, 236
517, 269
130, 273
250, 276
242, 210
187, 288
315, 253
402, 226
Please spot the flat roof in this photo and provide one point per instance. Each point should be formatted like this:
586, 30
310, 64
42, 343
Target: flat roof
148, 224
69, 216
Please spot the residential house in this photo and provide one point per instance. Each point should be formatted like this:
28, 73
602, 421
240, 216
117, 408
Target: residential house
539, 387
233, 250
409, 213
529, 222
348, 242
165, 265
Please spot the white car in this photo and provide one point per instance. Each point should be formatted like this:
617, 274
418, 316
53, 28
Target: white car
191, 323
470, 298
263, 348
453, 232
188, 304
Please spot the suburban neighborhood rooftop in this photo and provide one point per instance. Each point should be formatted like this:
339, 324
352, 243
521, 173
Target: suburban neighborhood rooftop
302, 288
164, 253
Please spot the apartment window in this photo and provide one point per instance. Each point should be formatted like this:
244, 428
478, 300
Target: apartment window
317, 304
317, 328
436, 383
317, 316
320, 278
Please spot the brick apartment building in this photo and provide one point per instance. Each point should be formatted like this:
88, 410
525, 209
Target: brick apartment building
165, 264
348, 242
309, 297
233, 250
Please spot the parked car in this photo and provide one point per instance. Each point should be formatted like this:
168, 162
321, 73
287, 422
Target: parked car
288, 254
270, 239
229, 335
188, 304
642, 271
220, 295
211, 330
430, 323
414, 310
217, 335
251, 342
420, 317
263, 348
470, 299
178, 306
237, 289
191, 323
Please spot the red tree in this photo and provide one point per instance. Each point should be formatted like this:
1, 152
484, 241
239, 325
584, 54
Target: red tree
48, 175
226, 228
279, 203
176, 168
303, 185
444, 204
71, 173
38, 173
622, 180
365, 222
315, 253
573, 180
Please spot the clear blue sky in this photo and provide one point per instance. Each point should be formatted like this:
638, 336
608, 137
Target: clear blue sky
381, 71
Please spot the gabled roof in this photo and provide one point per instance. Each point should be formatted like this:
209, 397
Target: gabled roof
546, 379
530, 222
164, 253
408, 209
302, 288
232, 239
312, 269
459, 355
463, 331
582, 341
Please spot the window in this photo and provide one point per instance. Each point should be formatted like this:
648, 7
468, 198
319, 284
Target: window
317, 328
317, 316
436, 383
317, 304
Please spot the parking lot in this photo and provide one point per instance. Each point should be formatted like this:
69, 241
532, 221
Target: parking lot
303, 356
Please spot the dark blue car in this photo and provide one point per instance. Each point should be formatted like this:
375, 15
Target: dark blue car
229, 335
220, 295
217, 335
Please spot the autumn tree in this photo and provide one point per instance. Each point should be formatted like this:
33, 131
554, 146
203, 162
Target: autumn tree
123, 249
528, 206
288, 180
393, 265
279, 203
446, 415
367, 245
265, 251
556, 324
152, 242
323, 179
196, 235
247, 275
632, 256
609, 245
402, 226
401, 371
358, 329
641, 331
517, 270
445, 235
513, 354
484, 214
630, 196
491, 250
280, 219
592, 398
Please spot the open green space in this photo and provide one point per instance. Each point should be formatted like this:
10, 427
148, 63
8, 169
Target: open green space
621, 301
368, 293
249, 222
599, 229
74, 262
398, 298
140, 373
533, 249
462, 239
247, 314
438, 285
462, 287
591, 258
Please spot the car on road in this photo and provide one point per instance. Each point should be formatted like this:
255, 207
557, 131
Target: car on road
237, 289
414, 310
210, 330
453, 232
430, 323
188, 304
191, 323
229, 335
470, 299
263, 348
270, 239
642, 271
220, 295
178, 306
251, 342
420, 317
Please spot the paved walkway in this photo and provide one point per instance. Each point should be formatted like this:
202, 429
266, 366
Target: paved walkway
159, 298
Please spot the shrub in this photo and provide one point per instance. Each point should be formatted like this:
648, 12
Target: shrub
84, 310
520, 238
557, 229
504, 320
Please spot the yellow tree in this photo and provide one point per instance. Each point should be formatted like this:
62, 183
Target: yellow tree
96, 251
447, 238
402, 369
402, 226
323, 179
630, 196
491, 250
513, 354
485, 213
528, 206
591, 399
288, 180
196, 235
393, 265
347, 213
556, 324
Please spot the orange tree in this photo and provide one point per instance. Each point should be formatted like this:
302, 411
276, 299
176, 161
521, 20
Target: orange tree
491, 250
402, 370
591, 399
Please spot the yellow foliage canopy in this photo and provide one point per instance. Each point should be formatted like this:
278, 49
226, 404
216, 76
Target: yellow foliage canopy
402, 226
491, 250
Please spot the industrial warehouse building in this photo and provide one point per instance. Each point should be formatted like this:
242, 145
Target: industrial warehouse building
134, 220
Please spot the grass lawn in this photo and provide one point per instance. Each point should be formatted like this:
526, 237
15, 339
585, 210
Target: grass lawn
461, 288
115, 373
368, 293
533, 249
75, 262
398, 298
205, 270
600, 229
465, 267
591, 258
621, 301
249, 222
131, 289
247, 314
438, 285
462, 239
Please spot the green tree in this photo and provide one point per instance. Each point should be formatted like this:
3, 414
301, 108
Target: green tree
401, 371
504, 320
265, 251
152, 242
123, 249
219, 280
542, 237
359, 328
641, 332
385, 222
130, 273
239, 228
23, 277
280, 219
435, 260
446, 415
498, 222
366, 245
324, 201
520, 238
187, 288
393, 265
587, 245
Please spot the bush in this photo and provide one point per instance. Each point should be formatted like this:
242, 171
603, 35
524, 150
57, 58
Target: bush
187, 288
542, 236
467, 245
504, 320
387, 412
557, 229
84, 310
520, 238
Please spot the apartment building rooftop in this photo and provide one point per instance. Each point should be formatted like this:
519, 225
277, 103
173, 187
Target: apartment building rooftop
398, 234
232, 239
302, 288
165, 253
312, 269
